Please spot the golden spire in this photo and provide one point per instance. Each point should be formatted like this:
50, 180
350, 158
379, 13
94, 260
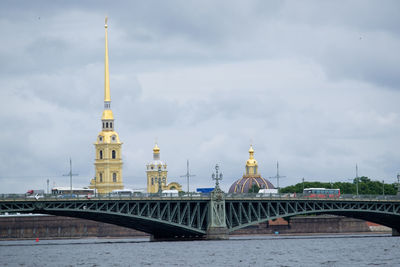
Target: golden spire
107, 97
107, 113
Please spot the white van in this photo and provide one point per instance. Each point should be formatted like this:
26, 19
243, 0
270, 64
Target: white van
170, 193
267, 192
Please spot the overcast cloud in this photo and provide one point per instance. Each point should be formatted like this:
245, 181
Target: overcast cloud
314, 84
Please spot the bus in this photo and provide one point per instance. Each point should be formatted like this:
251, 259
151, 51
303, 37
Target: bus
321, 193
127, 192
62, 192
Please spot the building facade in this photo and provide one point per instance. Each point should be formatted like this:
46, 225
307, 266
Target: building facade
156, 172
108, 159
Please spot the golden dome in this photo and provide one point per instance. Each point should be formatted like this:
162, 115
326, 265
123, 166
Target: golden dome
156, 149
251, 161
251, 150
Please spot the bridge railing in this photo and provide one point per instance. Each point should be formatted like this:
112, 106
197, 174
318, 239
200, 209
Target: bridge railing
103, 196
193, 196
306, 197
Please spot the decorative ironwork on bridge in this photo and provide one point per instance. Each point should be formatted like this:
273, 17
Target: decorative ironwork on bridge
211, 217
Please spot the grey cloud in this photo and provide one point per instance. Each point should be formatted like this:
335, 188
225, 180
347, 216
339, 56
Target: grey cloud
204, 78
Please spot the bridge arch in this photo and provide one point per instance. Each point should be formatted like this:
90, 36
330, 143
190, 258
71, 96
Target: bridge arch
241, 214
160, 218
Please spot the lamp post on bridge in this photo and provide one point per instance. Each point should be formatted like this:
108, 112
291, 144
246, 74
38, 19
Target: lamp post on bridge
217, 176
398, 184
217, 228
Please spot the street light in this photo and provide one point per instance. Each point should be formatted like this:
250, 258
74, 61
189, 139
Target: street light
357, 179
95, 186
216, 176
398, 184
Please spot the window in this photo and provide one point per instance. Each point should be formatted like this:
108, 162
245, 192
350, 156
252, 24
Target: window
101, 177
101, 154
164, 180
114, 177
152, 180
106, 124
100, 138
110, 124
103, 124
113, 154
113, 138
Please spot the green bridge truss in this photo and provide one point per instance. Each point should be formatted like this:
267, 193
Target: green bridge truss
166, 218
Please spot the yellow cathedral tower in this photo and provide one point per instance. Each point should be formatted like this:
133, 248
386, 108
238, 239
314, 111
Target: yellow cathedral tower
108, 160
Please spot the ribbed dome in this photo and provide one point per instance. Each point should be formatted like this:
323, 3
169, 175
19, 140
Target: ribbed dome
245, 183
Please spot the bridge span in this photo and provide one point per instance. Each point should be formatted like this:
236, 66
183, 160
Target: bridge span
204, 217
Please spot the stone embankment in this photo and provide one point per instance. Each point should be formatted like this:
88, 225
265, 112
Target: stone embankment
43, 226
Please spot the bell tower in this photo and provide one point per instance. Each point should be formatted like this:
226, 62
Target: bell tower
108, 159
156, 172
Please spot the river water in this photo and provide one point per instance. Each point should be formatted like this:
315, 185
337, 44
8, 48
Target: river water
334, 250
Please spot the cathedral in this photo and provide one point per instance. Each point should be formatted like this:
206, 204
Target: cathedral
108, 160
157, 174
251, 177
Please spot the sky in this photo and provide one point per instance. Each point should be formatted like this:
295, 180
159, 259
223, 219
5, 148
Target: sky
314, 85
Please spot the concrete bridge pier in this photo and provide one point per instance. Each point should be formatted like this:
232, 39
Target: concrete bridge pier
217, 228
395, 232
217, 233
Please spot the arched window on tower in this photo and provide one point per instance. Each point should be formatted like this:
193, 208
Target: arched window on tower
110, 124
114, 177
106, 124
103, 125
152, 180
101, 154
113, 154
101, 177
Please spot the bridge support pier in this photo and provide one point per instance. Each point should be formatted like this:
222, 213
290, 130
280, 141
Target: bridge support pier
395, 232
217, 229
217, 233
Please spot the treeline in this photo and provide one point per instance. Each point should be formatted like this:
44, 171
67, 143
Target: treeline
365, 187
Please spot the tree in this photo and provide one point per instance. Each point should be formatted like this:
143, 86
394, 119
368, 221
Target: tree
365, 187
254, 188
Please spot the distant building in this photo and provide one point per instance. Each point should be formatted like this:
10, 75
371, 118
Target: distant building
108, 160
157, 170
251, 177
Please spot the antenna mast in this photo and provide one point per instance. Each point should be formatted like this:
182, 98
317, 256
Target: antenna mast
277, 176
70, 174
188, 175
